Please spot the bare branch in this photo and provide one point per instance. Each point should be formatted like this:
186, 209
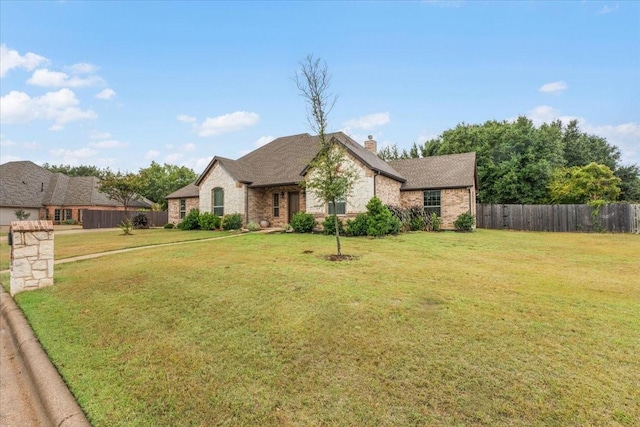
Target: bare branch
313, 81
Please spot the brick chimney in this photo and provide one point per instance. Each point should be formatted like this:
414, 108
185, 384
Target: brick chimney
371, 145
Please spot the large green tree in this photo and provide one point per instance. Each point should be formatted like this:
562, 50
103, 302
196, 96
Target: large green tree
122, 187
584, 184
517, 160
80, 170
331, 178
157, 181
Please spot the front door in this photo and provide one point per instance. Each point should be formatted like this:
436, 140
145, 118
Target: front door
294, 204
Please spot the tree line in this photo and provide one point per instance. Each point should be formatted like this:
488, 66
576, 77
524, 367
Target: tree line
153, 183
523, 164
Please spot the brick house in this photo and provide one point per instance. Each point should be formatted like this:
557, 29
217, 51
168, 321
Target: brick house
181, 201
51, 195
264, 184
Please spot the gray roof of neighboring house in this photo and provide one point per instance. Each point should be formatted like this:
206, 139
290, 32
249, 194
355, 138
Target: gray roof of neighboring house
25, 184
284, 160
448, 171
189, 190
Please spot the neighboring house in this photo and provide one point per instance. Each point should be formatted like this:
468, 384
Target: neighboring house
51, 195
181, 201
264, 184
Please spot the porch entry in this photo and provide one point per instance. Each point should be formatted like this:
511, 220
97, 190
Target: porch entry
294, 205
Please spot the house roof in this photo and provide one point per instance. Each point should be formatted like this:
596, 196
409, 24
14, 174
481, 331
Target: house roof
25, 184
284, 160
190, 190
448, 171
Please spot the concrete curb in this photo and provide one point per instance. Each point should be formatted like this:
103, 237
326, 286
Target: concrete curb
55, 404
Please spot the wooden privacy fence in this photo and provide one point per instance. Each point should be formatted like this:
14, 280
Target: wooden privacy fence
615, 217
110, 219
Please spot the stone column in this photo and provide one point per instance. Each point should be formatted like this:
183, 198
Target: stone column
31, 255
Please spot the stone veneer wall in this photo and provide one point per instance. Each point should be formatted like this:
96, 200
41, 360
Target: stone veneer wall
31, 255
360, 196
234, 192
173, 206
453, 202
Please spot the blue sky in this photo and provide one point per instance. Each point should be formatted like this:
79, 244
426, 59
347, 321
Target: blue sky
121, 84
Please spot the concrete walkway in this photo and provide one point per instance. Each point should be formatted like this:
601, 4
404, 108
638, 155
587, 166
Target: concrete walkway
32, 393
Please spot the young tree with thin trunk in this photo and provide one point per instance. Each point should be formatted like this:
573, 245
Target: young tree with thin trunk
123, 188
330, 177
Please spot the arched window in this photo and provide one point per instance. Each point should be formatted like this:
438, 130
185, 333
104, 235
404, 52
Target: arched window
218, 201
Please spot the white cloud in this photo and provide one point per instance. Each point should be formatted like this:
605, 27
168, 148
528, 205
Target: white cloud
9, 158
189, 147
554, 87
186, 119
368, 122
263, 140
227, 123
625, 136
5, 143
83, 68
198, 164
72, 157
109, 143
152, 154
546, 114
48, 78
173, 158
606, 9
106, 94
99, 135
60, 107
56, 127
10, 59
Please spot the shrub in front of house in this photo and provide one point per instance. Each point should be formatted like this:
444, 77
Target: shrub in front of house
329, 225
191, 221
436, 222
253, 226
169, 226
464, 222
380, 220
140, 220
357, 226
209, 221
303, 222
413, 218
232, 222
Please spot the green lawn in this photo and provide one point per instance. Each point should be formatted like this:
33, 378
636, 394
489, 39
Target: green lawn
89, 242
489, 328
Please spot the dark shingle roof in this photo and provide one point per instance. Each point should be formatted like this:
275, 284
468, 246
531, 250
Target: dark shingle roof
190, 190
449, 171
284, 160
25, 184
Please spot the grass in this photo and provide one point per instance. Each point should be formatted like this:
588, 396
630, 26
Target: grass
89, 242
489, 328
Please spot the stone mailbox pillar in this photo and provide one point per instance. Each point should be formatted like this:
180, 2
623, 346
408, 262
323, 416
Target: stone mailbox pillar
31, 255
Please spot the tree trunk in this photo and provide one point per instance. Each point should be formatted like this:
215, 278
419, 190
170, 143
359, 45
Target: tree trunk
335, 222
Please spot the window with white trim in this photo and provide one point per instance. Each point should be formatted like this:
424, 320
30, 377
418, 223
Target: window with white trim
276, 205
183, 208
432, 201
217, 198
339, 209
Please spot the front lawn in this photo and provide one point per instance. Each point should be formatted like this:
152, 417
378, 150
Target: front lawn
489, 328
91, 242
